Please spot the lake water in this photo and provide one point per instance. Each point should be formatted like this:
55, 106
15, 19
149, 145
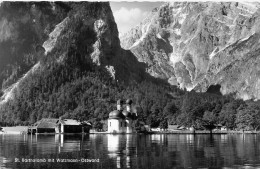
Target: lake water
105, 151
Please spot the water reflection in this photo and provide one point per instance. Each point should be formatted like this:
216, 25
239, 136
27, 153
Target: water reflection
133, 151
38, 146
3, 162
113, 145
122, 148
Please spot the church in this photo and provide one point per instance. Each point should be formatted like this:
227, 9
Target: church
121, 121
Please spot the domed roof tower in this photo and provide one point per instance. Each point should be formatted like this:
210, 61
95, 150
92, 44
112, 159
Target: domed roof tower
128, 112
116, 114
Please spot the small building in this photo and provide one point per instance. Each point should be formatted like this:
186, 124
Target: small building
116, 122
72, 126
120, 121
50, 125
192, 128
146, 128
175, 127
45, 125
155, 129
221, 127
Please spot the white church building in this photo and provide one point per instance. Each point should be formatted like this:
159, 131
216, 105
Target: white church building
121, 121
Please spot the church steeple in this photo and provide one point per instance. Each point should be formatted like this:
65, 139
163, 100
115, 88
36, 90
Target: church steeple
128, 105
119, 104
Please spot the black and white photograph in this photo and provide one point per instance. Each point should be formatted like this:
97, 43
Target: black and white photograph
129, 84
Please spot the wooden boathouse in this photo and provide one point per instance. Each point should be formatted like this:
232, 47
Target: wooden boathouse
59, 126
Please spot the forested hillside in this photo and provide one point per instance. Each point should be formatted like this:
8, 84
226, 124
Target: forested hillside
23, 27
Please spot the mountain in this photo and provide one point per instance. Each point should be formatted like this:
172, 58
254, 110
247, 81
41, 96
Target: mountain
47, 27
78, 66
23, 27
197, 45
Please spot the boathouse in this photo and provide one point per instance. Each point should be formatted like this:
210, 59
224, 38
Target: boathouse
121, 121
72, 126
51, 125
45, 125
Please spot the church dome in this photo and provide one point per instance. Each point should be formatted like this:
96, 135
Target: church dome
116, 115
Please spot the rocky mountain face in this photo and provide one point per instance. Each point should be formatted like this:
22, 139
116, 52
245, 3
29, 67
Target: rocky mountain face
23, 26
63, 46
197, 45
193, 45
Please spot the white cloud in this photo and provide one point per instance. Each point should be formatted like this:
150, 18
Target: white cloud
124, 15
128, 18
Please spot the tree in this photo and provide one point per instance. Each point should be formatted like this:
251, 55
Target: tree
169, 109
248, 117
243, 120
210, 120
195, 116
155, 109
98, 125
227, 116
97, 112
164, 124
80, 114
153, 121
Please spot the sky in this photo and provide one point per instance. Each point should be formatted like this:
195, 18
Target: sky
129, 14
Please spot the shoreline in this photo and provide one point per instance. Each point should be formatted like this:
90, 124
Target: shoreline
188, 132
15, 130
20, 130
206, 132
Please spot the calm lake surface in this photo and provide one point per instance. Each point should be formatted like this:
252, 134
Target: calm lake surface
130, 151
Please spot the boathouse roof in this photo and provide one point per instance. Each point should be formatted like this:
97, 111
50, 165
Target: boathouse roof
70, 122
46, 123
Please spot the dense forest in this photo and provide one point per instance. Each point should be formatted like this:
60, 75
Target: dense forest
91, 94
23, 26
74, 87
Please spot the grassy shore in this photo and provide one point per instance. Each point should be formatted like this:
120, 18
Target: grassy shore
15, 130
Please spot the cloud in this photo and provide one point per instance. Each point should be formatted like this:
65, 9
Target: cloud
124, 15
128, 18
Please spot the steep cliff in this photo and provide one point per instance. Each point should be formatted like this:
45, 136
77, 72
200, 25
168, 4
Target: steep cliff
22, 27
199, 44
